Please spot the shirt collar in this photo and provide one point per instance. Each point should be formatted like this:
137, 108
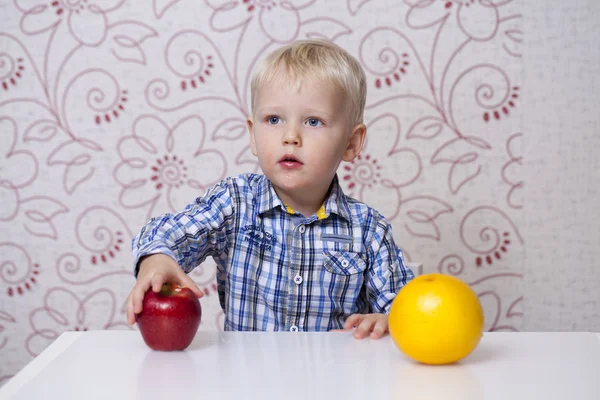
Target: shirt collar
336, 202
266, 197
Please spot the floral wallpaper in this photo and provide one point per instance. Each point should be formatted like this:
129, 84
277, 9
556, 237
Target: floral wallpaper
114, 111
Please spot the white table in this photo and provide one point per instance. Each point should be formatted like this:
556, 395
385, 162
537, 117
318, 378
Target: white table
236, 365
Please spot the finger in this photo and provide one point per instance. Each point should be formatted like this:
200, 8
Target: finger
380, 328
137, 295
364, 329
130, 313
157, 282
186, 281
353, 321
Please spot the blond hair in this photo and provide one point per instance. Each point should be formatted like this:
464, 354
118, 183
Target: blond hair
316, 59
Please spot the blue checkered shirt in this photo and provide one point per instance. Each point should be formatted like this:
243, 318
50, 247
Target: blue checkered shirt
276, 269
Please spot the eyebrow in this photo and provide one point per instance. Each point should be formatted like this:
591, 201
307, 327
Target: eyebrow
308, 112
268, 110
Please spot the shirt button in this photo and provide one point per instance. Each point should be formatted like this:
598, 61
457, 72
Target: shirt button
345, 263
294, 328
301, 229
298, 279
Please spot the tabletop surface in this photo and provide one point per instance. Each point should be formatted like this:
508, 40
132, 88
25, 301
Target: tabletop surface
246, 365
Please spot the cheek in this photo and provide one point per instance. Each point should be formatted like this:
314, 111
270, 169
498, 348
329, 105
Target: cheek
322, 147
328, 157
325, 157
266, 149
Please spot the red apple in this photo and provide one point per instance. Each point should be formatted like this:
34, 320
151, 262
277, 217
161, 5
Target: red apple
170, 318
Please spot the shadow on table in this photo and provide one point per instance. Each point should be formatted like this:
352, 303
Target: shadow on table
166, 374
207, 339
485, 352
458, 381
429, 382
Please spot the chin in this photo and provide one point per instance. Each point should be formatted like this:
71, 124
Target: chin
290, 184
292, 181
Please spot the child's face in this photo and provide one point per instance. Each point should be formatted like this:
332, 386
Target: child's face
300, 135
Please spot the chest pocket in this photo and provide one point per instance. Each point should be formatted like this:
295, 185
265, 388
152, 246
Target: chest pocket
343, 262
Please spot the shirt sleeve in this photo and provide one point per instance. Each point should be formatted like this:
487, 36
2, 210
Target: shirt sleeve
386, 273
191, 235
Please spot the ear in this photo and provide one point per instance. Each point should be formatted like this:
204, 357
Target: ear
251, 130
355, 142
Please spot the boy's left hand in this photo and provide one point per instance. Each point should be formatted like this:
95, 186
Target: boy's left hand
374, 325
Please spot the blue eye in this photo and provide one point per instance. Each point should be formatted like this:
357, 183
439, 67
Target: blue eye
314, 122
274, 120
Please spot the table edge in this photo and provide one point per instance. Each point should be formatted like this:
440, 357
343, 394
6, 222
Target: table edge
35, 366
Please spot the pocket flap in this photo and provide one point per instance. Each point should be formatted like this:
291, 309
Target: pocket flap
343, 262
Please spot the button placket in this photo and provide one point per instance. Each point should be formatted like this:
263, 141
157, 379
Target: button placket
299, 231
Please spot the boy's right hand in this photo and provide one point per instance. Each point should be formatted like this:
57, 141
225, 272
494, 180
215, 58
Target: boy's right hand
155, 270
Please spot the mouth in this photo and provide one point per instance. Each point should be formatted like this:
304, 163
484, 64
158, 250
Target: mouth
290, 160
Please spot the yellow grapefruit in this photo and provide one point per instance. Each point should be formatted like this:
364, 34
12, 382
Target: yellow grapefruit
436, 319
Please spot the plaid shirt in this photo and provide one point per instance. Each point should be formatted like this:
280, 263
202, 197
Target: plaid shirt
279, 270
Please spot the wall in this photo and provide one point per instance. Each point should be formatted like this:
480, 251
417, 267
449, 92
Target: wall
458, 157
562, 126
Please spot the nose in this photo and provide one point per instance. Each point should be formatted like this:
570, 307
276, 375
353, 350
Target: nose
292, 136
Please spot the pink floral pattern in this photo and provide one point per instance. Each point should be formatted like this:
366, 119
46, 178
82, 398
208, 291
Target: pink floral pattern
18, 168
62, 310
112, 112
158, 162
279, 20
86, 20
19, 274
11, 72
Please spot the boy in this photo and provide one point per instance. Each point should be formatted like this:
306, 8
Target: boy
292, 251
